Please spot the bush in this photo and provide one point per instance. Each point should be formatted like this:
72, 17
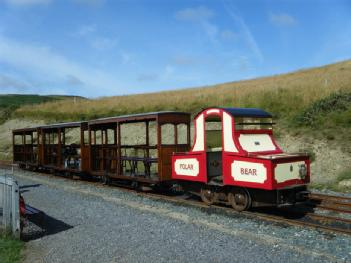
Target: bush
344, 175
338, 104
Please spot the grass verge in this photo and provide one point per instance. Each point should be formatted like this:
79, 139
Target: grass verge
337, 184
10, 249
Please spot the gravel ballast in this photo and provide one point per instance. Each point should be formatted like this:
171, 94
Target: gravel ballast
91, 223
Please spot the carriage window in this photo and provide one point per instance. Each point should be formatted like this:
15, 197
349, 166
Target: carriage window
247, 123
72, 136
110, 136
18, 139
95, 137
86, 137
213, 131
152, 133
167, 134
133, 133
182, 131
35, 137
28, 139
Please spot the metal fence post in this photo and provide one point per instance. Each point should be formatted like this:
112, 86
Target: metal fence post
9, 195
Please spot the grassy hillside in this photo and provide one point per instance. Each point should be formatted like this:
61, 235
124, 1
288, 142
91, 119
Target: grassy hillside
292, 97
10, 102
312, 109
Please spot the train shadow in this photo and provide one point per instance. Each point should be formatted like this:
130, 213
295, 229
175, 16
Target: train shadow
297, 211
40, 224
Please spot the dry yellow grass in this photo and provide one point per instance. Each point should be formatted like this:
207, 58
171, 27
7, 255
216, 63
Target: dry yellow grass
281, 94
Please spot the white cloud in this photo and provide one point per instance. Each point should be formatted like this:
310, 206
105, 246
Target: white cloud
246, 33
85, 30
90, 2
8, 82
282, 19
228, 35
103, 43
27, 2
147, 77
42, 62
194, 14
202, 16
74, 81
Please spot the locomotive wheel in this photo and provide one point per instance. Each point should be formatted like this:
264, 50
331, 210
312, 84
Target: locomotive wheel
240, 199
208, 196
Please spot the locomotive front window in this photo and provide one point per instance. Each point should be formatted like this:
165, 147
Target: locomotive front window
249, 123
213, 131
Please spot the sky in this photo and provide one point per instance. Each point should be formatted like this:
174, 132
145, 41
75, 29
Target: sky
97, 48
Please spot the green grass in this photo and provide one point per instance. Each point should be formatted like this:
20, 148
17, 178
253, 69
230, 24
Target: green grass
10, 102
10, 250
318, 96
333, 110
335, 184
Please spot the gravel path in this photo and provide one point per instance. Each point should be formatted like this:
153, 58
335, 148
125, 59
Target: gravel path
90, 223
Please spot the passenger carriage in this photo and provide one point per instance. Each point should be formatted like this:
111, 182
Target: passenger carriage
235, 159
137, 148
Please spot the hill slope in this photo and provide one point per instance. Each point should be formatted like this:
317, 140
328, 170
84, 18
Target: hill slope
284, 95
312, 109
10, 102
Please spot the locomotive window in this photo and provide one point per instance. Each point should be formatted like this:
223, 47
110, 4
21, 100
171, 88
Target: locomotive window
247, 123
213, 130
167, 134
182, 131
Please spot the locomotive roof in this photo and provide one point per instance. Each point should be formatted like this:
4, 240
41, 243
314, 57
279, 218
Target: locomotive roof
243, 112
248, 112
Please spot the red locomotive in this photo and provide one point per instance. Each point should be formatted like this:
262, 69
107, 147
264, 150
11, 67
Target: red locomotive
234, 158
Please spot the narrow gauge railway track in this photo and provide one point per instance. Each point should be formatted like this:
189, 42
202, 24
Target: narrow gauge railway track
340, 204
284, 216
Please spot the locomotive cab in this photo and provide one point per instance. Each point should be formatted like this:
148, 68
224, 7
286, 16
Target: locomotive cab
235, 159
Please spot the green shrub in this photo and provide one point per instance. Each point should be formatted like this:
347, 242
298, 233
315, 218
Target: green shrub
337, 107
310, 153
344, 175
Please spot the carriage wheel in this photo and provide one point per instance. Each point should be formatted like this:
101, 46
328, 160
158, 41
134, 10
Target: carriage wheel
208, 196
240, 199
105, 179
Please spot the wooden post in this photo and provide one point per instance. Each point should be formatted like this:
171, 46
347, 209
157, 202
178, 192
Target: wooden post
119, 160
147, 140
175, 134
59, 146
159, 157
13, 148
